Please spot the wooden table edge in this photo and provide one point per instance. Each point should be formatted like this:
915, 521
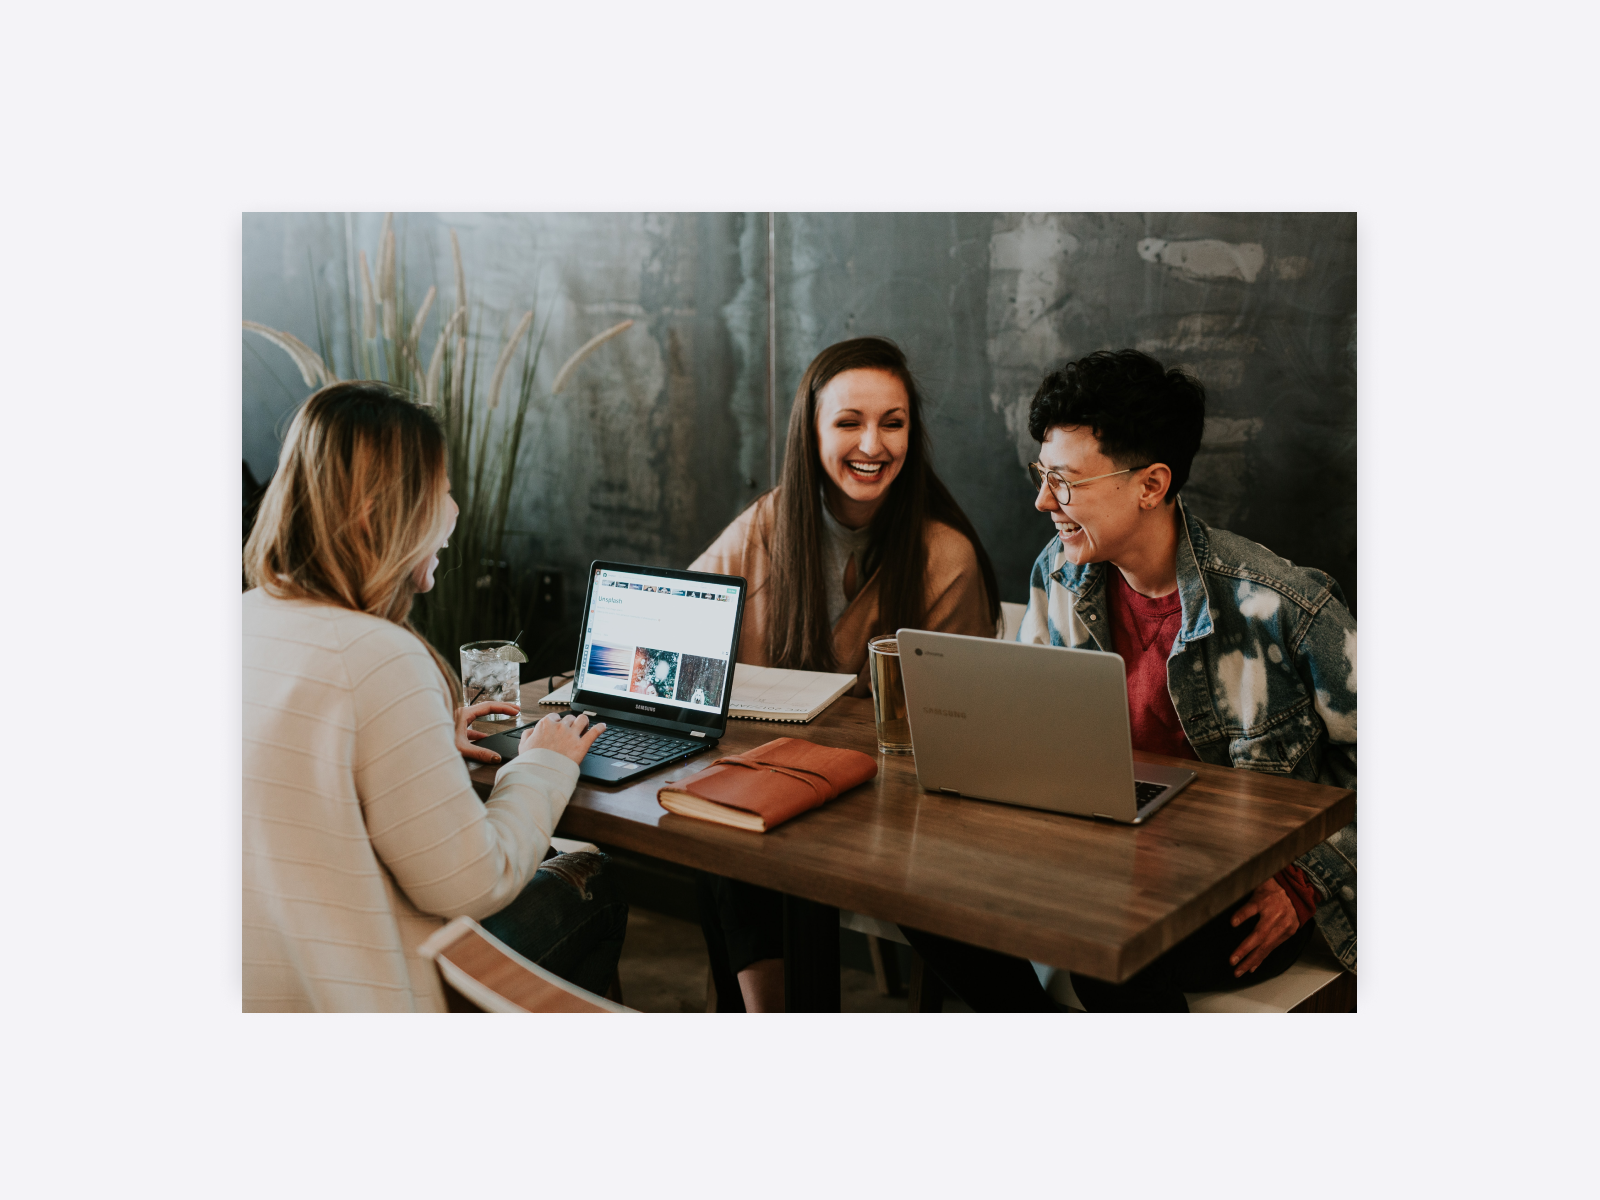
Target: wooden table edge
680, 840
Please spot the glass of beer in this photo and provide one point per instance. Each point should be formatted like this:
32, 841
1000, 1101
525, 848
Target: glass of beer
888, 696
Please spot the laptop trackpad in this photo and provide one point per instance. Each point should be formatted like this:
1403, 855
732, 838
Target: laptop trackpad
607, 770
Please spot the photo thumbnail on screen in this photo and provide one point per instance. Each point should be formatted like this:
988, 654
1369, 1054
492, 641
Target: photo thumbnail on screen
655, 672
611, 662
700, 680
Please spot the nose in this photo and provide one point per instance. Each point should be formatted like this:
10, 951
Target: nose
1046, 500
870, 442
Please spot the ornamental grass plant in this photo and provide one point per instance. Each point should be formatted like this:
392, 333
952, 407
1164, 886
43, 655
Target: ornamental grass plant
477, 592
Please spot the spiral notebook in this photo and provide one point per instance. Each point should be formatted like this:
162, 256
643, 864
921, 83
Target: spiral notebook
768, 693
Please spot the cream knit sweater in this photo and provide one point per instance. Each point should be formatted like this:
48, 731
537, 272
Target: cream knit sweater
362, 833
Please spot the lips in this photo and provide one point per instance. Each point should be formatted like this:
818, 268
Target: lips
866, 471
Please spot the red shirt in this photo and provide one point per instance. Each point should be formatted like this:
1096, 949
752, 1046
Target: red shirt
1142, 632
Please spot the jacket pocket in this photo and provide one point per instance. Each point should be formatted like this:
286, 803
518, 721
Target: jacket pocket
1279, 746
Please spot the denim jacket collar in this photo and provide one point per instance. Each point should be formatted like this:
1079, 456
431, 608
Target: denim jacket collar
1088, 582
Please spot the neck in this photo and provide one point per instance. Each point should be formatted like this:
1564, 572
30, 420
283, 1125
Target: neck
852, 514
1150, 564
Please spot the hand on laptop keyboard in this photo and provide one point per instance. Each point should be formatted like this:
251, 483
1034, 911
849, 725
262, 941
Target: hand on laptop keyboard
568, 735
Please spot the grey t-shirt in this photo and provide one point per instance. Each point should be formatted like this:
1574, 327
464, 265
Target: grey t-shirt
838, 544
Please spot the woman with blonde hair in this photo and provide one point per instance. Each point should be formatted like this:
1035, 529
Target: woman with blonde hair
859, 538
362, 833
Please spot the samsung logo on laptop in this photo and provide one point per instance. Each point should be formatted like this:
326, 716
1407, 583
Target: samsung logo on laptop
645, 707
945, 712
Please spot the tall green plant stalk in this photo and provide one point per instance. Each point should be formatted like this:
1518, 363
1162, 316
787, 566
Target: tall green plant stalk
475, 593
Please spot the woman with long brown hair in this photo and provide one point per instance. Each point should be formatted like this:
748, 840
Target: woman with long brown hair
859, 538
362, 833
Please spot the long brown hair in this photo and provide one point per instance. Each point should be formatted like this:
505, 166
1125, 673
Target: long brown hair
799, 634
357, 502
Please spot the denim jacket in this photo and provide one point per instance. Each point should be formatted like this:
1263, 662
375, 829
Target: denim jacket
1262, 675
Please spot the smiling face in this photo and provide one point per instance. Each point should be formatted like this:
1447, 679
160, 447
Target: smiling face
422, 573
1107, 518
863, 433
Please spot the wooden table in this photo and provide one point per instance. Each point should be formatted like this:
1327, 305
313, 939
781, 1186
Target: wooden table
1093, 896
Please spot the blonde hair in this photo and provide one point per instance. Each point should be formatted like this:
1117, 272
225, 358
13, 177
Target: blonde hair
357, 502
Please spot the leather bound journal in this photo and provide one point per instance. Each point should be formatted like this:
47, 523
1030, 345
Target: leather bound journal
766, 786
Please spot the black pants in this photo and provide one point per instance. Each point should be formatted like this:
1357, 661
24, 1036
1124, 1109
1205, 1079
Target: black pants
988, 981
743, 924
571, 919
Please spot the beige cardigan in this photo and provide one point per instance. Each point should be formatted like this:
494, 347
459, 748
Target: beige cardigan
955, 599
362, 833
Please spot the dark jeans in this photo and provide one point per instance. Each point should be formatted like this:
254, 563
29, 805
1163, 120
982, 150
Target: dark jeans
570, 919
743, 924
988, 981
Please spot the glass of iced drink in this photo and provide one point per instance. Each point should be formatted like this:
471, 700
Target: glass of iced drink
888, 696
489, 672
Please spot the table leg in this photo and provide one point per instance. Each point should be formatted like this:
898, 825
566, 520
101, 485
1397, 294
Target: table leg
810, 956
927, 991
885, 965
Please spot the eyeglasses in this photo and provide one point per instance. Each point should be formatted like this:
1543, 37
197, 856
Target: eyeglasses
1060, 486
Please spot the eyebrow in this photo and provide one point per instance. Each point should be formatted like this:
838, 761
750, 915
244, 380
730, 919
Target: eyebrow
1063, 467
899, 408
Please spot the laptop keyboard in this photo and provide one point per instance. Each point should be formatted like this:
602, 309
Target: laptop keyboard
1143, 792
644, 749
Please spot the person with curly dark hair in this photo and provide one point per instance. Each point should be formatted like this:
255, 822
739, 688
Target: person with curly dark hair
1234, 656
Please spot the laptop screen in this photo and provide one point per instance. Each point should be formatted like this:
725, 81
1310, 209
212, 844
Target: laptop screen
659, 644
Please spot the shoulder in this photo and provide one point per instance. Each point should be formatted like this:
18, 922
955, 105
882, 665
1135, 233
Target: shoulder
1251, 566
750, 526
315, 627
949, 548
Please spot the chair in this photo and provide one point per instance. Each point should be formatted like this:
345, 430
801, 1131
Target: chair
568, 846
495, 978
486, 975
925, 992
1315, 983
1010, 620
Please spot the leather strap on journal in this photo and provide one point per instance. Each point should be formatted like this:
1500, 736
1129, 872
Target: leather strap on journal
824, 789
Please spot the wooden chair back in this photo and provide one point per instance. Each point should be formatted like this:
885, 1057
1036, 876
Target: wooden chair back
495, 978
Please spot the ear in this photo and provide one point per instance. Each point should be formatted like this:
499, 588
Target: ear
1153, 485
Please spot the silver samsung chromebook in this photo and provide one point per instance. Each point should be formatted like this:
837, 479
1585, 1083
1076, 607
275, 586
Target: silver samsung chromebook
1038, 726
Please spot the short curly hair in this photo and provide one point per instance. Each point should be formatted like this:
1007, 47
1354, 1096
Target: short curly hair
1139, 411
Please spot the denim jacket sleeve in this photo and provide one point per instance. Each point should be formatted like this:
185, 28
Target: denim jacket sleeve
1326, 662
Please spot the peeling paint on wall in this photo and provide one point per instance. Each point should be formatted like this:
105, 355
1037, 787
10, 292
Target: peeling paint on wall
1028, 282
1206, 258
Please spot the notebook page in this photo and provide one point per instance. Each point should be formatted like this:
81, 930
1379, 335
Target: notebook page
781, 692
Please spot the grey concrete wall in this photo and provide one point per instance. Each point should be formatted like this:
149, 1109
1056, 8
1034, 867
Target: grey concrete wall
663, 436
1262, 308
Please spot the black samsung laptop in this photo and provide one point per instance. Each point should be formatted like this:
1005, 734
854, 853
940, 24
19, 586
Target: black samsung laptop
655, 664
